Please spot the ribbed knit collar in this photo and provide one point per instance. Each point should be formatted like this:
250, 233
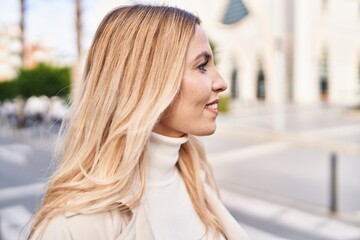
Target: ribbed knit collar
163, 155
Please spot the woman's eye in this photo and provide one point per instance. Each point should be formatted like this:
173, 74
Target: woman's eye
203, 65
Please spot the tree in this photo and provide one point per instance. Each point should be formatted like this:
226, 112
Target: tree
9, 90
78, 28
22, 31
44, 80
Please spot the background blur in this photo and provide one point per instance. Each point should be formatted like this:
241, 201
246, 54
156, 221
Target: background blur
286, 153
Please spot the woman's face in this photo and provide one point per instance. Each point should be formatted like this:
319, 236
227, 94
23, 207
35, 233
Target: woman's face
195, 108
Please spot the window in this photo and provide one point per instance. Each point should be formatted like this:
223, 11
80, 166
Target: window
235, 11
323, 76
325, 5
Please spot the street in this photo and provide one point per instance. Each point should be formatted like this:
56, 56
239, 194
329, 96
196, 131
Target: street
275, 185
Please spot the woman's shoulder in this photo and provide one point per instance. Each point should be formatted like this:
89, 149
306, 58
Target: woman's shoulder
105, 225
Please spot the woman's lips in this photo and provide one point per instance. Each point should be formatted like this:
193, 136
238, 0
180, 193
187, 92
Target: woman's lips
213, 106
213, 110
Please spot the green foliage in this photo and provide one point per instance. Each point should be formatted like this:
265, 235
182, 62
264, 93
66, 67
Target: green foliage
224, 103
8, 90
213, 49
42, 80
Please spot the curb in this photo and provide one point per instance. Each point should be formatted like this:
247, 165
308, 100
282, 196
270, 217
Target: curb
291, 221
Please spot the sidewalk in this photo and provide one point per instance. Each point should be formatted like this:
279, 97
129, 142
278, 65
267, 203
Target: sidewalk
262, 149
288, 220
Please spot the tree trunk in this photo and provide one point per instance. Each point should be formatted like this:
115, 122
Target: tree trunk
76, 71
78, 28
22, 31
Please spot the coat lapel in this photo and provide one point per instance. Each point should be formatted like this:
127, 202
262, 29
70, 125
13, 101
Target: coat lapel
232, 229
138, 228
142, 226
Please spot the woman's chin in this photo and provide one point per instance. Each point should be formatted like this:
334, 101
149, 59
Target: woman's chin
205, 132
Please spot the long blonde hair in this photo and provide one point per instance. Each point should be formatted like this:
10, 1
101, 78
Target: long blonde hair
133, 73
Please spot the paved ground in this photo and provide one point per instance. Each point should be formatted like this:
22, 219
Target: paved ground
289, 166
293, 163
274, 181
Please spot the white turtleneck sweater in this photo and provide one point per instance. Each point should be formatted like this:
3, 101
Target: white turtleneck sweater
166, 201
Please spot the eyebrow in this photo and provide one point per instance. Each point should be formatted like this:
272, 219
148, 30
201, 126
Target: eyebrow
203, 54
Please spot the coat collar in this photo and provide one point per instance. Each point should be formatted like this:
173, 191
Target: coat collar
139, 226
232, 229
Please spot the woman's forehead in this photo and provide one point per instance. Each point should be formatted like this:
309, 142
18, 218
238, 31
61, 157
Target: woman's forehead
199, 43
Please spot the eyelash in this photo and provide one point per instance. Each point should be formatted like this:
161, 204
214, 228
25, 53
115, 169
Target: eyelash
203, 65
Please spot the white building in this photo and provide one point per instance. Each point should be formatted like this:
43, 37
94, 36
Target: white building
10, 48
302, 51
278, 51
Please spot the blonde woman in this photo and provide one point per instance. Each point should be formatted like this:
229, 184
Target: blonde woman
130, 167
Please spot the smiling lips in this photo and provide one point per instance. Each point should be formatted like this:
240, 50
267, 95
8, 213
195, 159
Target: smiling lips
212, 106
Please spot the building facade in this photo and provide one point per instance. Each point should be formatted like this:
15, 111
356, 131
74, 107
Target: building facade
10, 48
301, 51
10, 53
280, 51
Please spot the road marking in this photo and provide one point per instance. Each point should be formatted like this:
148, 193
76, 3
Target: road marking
21, 191
257, 234
14, 222
15, 153
316, 225
314, 141
337, 130
247, 153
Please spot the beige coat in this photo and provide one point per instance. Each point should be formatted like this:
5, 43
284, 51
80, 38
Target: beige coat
115, 226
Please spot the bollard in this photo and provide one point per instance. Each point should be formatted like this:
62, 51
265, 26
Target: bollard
333, 183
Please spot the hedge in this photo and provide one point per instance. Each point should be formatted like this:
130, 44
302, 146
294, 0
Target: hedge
43, 80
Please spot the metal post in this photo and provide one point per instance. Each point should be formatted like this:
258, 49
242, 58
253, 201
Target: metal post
333, 183
0, 227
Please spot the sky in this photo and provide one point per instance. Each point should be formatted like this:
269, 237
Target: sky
52, 22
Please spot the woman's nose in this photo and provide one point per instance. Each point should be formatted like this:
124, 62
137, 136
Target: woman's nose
219, 84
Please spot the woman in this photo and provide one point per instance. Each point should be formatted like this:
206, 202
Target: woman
130, 167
